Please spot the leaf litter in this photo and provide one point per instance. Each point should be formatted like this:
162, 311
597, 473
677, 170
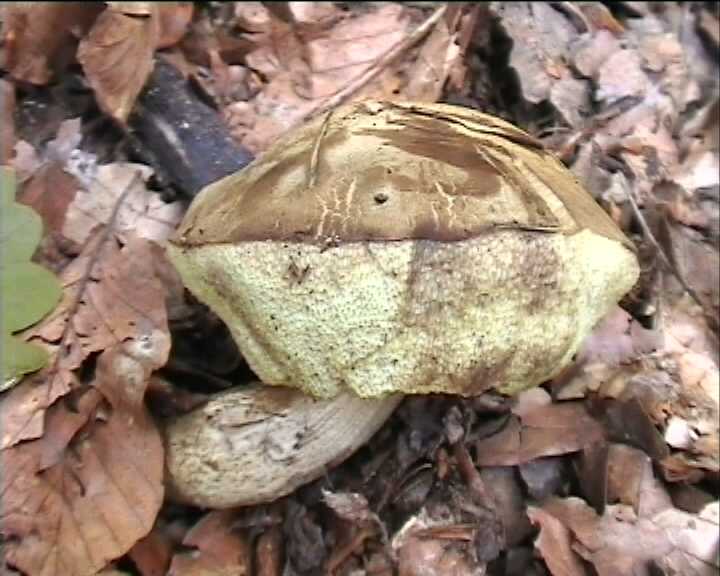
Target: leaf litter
626, 94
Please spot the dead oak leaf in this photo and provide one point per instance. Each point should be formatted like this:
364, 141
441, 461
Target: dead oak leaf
120, 300
87, 490
117, 57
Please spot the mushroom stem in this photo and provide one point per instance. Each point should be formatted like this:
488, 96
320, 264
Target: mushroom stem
257, 444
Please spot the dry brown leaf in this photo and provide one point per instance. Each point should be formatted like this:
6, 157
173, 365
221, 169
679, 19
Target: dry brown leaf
507, 498
39, 36
174, 19
701, 169
151, 554
74, 195
142, 211
438, 55
709, 25
671, 374
50, 191
627, 467
427, 546
117, 57
301, 76
87, 490
544, 431
132, 8
554, 544
48, 187
120, 299
66, 141
220, 549
269, 552
617, 341
620, 543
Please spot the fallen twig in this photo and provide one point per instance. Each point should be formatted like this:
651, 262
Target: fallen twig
85, 279
663, 257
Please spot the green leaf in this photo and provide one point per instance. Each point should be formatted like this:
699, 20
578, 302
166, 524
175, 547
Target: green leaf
19, 358
27, 291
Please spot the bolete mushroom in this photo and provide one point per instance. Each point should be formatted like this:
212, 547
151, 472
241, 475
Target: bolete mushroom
381, 250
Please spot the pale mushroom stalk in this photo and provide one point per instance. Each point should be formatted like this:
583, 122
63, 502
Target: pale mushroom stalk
386, 249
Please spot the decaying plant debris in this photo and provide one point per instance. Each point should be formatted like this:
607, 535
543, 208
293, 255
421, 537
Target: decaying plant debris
619, 448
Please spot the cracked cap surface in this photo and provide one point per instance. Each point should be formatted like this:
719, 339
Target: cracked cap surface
382, 171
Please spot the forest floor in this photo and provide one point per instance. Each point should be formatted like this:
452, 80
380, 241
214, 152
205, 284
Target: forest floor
611, 468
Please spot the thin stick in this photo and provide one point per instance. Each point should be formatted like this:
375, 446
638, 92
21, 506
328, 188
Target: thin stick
663, 257
92, 261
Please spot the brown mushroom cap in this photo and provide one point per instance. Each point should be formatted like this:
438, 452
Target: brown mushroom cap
404, 248
395, 171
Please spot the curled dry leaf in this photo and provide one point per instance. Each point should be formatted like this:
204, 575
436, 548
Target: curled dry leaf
117, 56
87, 490
600, 17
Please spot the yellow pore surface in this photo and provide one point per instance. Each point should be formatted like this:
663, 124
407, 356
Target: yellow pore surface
505, 310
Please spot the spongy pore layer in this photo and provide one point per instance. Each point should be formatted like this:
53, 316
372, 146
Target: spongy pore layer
505, 310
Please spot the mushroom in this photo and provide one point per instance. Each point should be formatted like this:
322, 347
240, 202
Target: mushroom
384, 249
